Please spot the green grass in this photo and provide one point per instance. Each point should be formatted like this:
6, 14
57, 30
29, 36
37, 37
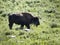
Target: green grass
47, 33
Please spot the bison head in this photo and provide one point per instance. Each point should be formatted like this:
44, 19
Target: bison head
36, 21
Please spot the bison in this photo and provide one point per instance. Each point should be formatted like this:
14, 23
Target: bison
22, 19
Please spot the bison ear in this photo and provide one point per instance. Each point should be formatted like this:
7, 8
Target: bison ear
35, 18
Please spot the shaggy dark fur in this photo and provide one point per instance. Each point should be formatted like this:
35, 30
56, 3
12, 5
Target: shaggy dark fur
22, 19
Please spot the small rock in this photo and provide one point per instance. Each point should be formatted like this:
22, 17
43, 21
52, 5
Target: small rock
11, 36
27, 30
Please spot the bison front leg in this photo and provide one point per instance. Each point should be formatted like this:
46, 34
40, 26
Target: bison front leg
28, 26
10, 25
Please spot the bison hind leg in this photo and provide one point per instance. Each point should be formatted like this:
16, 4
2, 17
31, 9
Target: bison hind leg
10, 25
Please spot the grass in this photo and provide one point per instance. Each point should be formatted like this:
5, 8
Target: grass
47, 33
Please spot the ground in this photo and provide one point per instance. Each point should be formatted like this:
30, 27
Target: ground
47, 33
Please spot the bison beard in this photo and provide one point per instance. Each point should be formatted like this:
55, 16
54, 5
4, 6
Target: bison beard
22, 19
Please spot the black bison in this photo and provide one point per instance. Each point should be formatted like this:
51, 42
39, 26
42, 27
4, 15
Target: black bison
22, 19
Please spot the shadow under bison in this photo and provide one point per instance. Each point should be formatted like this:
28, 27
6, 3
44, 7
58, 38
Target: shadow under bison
22, 19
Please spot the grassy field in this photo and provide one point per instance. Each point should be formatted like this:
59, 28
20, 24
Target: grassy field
47, 33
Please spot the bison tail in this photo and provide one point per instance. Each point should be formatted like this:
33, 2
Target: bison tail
9, 18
